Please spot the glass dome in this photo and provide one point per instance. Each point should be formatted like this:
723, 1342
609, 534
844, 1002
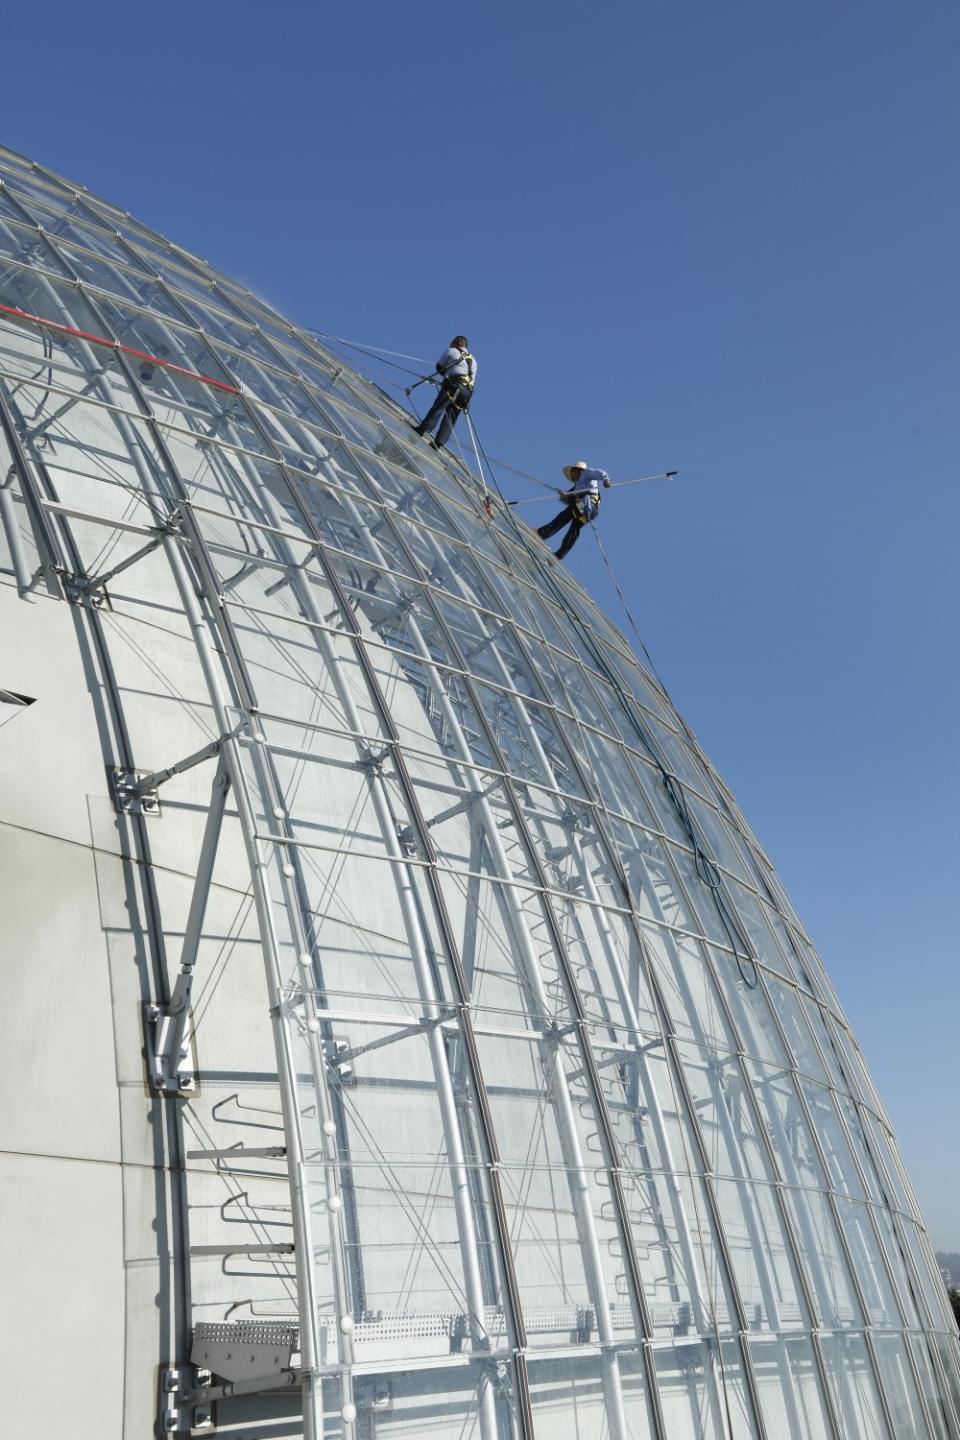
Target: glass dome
485, 1081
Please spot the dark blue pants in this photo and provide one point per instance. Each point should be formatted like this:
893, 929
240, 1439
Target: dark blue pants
451, 400
568, 513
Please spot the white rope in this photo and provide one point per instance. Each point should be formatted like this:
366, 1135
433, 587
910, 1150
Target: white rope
487, 505
362, 345
524, 475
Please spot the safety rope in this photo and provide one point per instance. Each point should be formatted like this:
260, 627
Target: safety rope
524, 475
706, 867
487, 502
704, 862
493, 476
372, 350
626, 608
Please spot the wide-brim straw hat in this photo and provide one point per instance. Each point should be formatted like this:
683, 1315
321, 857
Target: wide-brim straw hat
570, 470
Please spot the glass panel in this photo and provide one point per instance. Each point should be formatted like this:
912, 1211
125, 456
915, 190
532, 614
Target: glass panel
424, 1264
561, 1224
841, 1170
866, 1257
790, 1395
790, 1013
948, 1351
453, 781
702, 1391
903, 1402
854, 1388
572, 1396
820, 1248
762, 1257
942, 1420
722, 1103
904, 1284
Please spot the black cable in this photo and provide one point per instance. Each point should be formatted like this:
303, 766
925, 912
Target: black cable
626, 609
705, 865
709, 873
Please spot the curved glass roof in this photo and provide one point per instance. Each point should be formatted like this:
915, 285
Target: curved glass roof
554, 1122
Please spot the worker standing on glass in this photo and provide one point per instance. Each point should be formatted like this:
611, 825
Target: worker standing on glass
458, 373
581, 504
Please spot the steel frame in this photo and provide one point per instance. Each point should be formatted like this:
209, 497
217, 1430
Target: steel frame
177, 534
200, 626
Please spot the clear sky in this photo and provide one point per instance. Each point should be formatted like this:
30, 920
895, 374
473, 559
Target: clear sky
721, 238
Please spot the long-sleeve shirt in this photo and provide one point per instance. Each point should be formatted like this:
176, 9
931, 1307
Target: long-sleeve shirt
589, 483
454, 363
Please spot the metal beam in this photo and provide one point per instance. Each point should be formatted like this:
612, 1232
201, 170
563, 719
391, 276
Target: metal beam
210, 659
18, 555
446, 1097
550, 1054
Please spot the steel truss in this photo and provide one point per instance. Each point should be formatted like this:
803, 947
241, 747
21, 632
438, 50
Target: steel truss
543, 890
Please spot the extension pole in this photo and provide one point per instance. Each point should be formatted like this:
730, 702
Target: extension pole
614, 485
416, 383
663, 475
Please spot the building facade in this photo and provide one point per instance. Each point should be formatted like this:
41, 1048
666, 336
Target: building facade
405, 1033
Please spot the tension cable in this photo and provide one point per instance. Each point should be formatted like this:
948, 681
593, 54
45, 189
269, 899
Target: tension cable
374, 351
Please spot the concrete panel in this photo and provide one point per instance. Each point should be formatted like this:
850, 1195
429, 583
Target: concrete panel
61, 1258
47, 766
56, 1025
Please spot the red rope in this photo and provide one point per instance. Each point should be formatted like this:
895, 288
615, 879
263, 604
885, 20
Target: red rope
115, 345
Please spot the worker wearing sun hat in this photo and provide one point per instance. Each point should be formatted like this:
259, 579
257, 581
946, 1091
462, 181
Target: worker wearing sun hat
581, 504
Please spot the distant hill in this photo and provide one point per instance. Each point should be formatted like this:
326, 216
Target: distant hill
949, 1261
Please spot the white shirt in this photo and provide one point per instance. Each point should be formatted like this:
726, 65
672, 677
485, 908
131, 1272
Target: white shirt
589, 483
454, 362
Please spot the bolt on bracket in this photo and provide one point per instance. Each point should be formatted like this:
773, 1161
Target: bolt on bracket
81, 590
179, 1413
169, 1030
130, 796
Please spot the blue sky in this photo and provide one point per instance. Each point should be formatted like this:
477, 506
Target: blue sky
717, 238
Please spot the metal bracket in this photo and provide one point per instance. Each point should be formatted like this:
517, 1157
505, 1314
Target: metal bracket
135, 791
180, 1412
168, 1028
168, 1033
130, 796
80, 589
244, 1350
338, 1053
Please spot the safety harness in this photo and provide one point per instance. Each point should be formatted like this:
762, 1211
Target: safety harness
585, 507
459, 388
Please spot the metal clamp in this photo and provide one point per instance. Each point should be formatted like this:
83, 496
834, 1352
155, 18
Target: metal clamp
80, 589
180, 1411
130, 796
169, 1030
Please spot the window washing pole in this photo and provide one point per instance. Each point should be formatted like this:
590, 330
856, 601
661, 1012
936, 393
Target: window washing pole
421, 381
614, 485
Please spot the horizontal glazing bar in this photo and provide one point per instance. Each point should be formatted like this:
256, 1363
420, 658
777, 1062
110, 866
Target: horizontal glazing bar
90, 516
